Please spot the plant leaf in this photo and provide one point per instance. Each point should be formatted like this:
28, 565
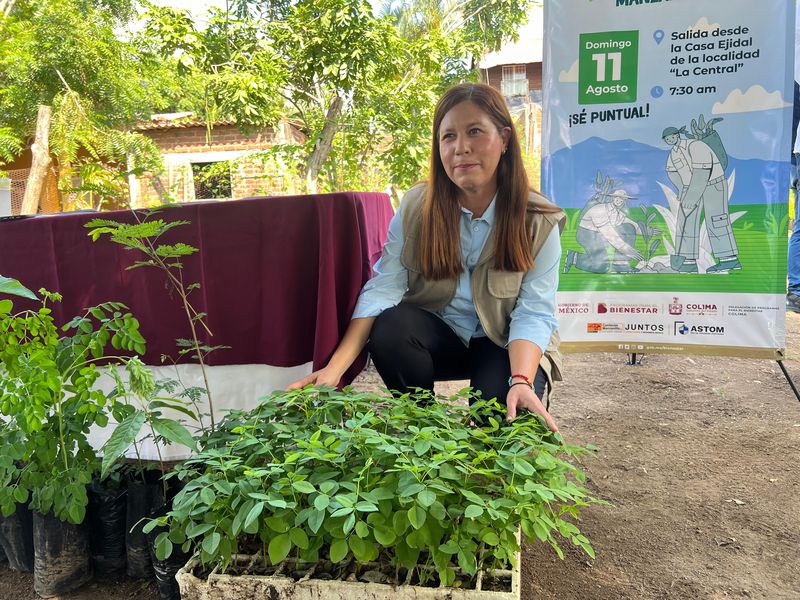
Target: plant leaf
417, 516
490, 538
211, 542
523, 467
304, 487
315, 520
426, 498
174, 432
121, 438
384, 536
254, 513
20, 494
339, 550
173, 406
467, 562
163, 545
277, 524
198, 529
362, 549
348, 523
279, 548
362, 529
15, 288
410, 490
473, 511
299, 538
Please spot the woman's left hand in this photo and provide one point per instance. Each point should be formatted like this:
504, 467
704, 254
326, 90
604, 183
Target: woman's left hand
523, 397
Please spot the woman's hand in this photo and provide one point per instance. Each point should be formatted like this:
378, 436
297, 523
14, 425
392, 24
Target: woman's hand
326, 376
355, 338
523, 397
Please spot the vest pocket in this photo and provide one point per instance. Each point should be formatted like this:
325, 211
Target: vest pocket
504, 284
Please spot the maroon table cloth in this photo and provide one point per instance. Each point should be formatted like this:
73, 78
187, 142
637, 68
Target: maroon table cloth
279, 276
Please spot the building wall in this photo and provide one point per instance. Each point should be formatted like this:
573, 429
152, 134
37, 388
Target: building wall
250, 175
17, 173
181, 145
223, 137
527, 114
50, 200
494, 76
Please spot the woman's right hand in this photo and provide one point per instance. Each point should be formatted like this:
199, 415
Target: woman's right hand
327, 376
355, 338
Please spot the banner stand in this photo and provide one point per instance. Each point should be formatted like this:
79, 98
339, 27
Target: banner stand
789, 379
634, 362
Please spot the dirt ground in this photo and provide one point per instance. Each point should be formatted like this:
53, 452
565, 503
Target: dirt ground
699, 460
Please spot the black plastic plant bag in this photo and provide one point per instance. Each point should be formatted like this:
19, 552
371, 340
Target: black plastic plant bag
107, 518
61, 555
166, 569
143, 498
16, 538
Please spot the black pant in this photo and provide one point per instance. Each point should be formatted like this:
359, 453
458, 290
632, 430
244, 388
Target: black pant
412, 348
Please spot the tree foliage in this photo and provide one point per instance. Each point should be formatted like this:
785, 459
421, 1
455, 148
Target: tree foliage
361, 87
51, 44
68, 54
10, 144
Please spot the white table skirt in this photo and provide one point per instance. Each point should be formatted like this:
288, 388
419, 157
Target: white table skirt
232, 387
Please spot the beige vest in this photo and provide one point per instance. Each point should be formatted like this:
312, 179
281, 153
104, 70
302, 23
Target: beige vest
494, 292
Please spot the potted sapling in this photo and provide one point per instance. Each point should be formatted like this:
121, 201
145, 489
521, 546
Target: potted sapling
319, 493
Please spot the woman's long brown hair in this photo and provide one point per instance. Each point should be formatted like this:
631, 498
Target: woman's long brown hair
439, 246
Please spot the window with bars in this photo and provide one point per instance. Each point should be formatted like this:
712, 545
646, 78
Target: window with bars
212, 180
514, 81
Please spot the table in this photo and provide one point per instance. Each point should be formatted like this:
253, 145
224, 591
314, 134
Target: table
279, 276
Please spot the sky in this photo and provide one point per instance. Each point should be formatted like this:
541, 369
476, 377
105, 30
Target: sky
199, 8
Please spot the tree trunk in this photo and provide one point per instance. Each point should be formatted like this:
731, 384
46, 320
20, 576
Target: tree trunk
40, 164
323, 146
158, 186
6, 6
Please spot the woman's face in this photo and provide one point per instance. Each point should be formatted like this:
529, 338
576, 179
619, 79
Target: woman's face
470, 147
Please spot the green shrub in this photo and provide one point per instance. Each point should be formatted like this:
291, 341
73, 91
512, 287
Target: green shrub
319, 474
49, 402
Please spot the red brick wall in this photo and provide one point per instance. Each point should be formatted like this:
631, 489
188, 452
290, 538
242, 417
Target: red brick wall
253, 177
223, 137
249, 176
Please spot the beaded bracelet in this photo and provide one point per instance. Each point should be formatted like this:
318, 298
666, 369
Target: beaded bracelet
520, 376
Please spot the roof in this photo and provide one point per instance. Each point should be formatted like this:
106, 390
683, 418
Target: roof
528, 49
181, 120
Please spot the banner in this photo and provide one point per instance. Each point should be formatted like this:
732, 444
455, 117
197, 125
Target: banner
666, 138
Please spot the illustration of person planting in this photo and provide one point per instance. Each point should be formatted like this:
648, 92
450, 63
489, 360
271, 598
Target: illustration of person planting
604, 225
696, 167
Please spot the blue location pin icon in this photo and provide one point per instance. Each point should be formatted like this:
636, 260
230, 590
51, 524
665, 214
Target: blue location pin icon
658, 35
657, 91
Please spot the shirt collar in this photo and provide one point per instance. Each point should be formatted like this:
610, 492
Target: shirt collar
488, 214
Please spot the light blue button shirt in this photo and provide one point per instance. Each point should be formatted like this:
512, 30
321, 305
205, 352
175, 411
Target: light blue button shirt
533, 317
